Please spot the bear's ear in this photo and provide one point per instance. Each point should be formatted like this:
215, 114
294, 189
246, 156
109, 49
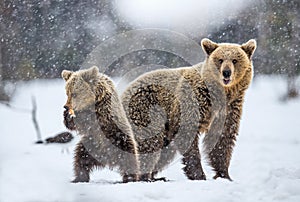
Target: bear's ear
208, 46
66, 74
249, 47
89, 74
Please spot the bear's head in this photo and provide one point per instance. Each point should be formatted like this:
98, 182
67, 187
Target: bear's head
228, 62
80, 89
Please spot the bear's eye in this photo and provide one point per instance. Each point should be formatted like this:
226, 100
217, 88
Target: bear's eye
234, 61
74, 95
220, 61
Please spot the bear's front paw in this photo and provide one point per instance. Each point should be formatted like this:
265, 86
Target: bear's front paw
197, 176
69, 120
80, 179
224, 175
164, 179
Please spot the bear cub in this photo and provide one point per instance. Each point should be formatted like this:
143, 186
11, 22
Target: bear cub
94, 109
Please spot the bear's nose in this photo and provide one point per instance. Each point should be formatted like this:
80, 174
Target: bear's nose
227, 73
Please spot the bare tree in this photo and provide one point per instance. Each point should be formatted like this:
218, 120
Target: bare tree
3, 95
292, 88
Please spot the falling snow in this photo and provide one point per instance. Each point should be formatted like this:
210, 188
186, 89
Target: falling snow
40, 38
264, 165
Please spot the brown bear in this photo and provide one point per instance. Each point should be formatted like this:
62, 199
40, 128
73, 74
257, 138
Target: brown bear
174, 106
94, 109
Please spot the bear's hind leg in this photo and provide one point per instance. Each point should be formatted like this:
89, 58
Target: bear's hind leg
166, 157
126, 155
147, 163
192, 161
130, 169
83, 164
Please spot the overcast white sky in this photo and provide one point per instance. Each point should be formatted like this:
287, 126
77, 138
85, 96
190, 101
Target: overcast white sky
181, 15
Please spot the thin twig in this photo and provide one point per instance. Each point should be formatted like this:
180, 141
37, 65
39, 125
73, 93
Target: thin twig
35, 123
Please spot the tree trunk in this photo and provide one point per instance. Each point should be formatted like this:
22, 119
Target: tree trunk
294, 56
3, 95
292, 87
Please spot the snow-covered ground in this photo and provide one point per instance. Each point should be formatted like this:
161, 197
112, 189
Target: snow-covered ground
265, 164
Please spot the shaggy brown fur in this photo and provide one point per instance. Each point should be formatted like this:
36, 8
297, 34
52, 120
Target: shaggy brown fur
95, 111
174, 106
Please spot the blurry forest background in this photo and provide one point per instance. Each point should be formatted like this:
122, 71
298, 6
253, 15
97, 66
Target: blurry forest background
40, 38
